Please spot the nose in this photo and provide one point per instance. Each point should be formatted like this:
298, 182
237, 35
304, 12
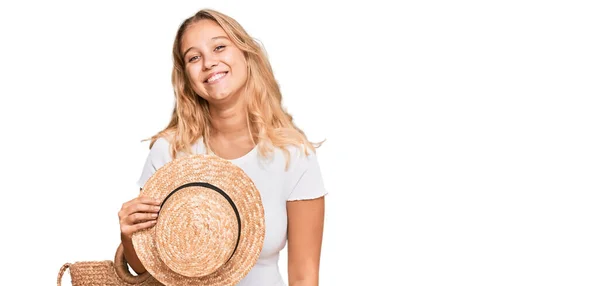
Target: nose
210, 62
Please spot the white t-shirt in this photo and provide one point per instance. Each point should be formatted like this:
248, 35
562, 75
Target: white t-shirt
301, 181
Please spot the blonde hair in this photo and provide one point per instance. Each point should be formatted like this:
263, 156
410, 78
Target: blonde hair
268, 122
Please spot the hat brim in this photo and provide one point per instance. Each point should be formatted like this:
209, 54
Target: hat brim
242, 191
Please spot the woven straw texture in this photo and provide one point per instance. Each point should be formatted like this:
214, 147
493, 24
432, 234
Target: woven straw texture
195, 236
97, 273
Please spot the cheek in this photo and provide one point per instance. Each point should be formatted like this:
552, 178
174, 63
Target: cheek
193, 73
240, 65
234, 59
195, 85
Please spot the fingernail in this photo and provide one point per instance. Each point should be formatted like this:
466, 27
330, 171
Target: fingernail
154, 215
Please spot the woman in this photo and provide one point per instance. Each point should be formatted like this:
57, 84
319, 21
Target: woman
228, 103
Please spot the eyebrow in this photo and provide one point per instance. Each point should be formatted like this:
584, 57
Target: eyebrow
213, 38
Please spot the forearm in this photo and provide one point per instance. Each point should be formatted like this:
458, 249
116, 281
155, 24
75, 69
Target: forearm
303, 278
131, 256
305, 232
306, 281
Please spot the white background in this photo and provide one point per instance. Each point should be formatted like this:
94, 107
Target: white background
462, 136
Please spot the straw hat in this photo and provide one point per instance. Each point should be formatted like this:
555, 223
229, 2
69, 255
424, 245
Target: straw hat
210, 228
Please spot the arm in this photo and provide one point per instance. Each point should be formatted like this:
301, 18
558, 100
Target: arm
131, 257
137, 214
305, 234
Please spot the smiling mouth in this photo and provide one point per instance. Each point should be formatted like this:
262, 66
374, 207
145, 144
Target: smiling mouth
215, 77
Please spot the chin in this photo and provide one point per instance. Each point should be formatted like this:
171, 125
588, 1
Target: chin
225, 94
221, 95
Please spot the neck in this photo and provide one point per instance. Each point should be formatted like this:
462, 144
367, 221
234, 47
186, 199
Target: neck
229, 121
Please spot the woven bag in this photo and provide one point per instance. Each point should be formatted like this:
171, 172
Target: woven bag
96, 273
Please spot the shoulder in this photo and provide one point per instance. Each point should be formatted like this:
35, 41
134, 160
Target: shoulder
300, 157
158, 156
161, 144
304, 174
160, 152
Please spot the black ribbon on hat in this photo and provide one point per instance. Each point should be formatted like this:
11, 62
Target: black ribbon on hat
221, 192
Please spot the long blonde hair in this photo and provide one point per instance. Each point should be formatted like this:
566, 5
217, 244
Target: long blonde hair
268, 121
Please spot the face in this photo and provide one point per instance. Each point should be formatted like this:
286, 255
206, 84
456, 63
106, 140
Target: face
216, 68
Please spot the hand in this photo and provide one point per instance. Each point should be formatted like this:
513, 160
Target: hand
137, 214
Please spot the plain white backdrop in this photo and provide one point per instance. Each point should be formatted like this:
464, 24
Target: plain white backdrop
462, 136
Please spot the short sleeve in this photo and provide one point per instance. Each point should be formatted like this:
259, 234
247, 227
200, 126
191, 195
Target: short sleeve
307, 180
158, 156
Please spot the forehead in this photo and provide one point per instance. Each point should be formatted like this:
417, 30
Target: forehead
201, 33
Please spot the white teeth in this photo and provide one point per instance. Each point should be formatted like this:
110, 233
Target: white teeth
216, 77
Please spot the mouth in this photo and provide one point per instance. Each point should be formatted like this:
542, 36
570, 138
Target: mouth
215, 77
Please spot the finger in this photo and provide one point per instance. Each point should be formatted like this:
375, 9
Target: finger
127, 204
149, 200
128, 230
143, 208
126, 209
141, 199
143, 225
141, 217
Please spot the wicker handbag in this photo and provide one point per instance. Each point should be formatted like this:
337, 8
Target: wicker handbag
96, 273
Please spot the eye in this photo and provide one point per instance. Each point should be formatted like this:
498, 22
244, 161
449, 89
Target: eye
194, 58
219, 48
